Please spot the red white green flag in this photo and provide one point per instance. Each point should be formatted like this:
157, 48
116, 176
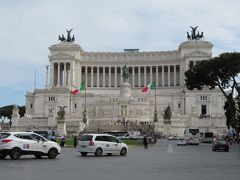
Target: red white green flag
149, 86
80, 88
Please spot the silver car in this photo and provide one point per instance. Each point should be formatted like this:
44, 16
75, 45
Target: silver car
181, 141
99, 144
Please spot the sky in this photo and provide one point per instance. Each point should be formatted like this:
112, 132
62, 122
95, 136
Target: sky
29, 27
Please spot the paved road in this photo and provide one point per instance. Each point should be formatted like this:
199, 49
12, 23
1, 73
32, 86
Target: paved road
163, 161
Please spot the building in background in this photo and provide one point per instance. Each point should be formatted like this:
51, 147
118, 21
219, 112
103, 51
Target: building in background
110, 103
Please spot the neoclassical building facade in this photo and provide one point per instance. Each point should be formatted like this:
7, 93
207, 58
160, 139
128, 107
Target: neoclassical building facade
109, 100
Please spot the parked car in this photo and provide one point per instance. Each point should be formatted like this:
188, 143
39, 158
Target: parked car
99, 144
181, 141
173, 137
220, 145
16, 144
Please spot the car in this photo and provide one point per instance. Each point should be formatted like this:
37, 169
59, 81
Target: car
16, 144
220, 145
181, 141
99, 144
173, 137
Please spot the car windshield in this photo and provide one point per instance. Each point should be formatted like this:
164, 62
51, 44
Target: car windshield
86, 138
221, 142
4, 135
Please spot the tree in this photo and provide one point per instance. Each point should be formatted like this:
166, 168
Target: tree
6, 111
222, 72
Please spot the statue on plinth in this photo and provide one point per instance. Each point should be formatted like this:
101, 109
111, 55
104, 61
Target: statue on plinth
167, 115
125, 73
68, 39
194, 35
61, 112
61, 126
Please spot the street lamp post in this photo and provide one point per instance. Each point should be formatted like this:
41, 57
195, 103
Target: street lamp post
184, 101
155, 113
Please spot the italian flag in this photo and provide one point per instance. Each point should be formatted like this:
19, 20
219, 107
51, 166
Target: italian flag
81, 88
149, 86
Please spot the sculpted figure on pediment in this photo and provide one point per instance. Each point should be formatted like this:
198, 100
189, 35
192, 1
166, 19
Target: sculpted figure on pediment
68, 39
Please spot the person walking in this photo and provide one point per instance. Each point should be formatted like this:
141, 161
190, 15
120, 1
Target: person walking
145, 142
75, 141
62, 143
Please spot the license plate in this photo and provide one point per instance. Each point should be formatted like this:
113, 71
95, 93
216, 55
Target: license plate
83, 146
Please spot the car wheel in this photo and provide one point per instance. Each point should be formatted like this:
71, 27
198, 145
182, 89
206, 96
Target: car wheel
15, 153
2, 156
98, 152
213, 149
83, 153
52, 153
38, 156
123, 152
226, 150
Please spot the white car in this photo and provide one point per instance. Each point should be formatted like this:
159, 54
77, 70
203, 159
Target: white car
182, 141
101, 144
16, 144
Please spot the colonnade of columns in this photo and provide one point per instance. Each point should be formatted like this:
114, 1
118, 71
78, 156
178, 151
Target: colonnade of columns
139, 76
61, 74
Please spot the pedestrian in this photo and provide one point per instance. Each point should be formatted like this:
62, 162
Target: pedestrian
75, 141
62, 143
145, 142
53, 139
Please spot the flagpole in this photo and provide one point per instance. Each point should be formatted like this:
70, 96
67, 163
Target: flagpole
85, 98
155, 119
155, 98
85, 101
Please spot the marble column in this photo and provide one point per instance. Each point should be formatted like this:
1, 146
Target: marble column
169, 75
157, 83
91, 76
115, 77
145, 75
151, 80
139, 76
58, 79
163, 78
104, 76
121, 76
181, 75
174, 74
65, 74
97, 76
133, 76
109, 76
86, 75
80, 78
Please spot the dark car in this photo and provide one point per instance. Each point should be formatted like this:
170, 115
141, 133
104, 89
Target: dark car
220, 145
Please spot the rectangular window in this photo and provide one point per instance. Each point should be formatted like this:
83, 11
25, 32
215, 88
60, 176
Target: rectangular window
51, 99
203, 98
204, 109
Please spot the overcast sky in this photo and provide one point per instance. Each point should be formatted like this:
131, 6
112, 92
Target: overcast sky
29, 27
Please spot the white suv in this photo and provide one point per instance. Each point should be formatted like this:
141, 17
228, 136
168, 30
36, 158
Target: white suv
16, 144
101, 144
